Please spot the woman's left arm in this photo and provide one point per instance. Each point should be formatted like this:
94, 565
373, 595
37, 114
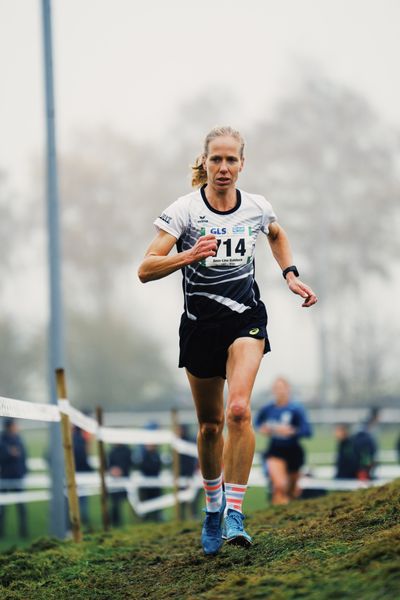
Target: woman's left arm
304, 428
279, 242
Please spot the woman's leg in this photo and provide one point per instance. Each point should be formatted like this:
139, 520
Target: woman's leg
244, 359
279, 478
208, 396
294, 490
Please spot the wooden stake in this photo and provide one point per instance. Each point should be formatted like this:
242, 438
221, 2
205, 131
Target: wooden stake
102, 473
175, 463
73, 500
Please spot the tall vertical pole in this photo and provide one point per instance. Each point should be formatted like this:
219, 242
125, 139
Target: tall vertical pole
56, 341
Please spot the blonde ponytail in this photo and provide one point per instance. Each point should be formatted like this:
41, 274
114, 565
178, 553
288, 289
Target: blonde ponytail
199, 174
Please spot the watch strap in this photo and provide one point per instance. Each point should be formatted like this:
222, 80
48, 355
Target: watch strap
291, 269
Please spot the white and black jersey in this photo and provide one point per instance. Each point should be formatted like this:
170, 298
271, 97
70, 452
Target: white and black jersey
223, 285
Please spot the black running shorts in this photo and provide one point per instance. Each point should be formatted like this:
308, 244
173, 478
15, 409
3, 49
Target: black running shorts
293, 455
204, 344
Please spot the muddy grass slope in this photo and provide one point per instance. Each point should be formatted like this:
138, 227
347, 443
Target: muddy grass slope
341, 546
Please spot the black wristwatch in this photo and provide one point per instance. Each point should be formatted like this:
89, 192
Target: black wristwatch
291, 269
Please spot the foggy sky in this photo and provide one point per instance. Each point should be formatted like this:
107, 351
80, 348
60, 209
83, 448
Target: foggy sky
130, 65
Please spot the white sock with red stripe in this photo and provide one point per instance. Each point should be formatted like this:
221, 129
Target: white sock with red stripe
213, 491
234, 494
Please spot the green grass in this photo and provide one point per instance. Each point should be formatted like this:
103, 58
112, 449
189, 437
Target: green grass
343, 546
38, 518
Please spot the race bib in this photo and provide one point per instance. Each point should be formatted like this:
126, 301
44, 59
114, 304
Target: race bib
235, 246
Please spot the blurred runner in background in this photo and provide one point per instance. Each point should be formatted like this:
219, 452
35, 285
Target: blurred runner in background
284, 421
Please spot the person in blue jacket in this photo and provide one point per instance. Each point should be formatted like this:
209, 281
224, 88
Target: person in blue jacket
80, 442
284, 421
13, 468
119, 464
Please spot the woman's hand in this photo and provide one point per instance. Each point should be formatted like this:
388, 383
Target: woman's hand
300, 288
265, 429
284, 430
205, 246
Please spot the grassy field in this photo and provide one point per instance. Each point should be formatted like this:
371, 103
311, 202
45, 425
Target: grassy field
345, 545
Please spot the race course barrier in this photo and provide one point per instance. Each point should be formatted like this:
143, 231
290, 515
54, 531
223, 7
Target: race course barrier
89, 483
67, 415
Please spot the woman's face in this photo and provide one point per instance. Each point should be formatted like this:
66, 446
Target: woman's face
281, 391
223, 163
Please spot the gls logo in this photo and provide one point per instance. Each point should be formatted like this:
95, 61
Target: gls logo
218, 230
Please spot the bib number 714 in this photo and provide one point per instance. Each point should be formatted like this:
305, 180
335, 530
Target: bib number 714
234, 246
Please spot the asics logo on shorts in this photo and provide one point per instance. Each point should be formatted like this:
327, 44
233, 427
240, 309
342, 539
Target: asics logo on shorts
254, 331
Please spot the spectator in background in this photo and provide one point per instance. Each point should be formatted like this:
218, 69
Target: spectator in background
188, 465
398, 448
365, 444
12, 471
346, 459
119, 464
80, 441
284, 421
149, 464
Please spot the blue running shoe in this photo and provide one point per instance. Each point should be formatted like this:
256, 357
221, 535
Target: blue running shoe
233, 530
211, 533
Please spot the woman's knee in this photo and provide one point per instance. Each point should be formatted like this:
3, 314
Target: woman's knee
211, 428
238, 412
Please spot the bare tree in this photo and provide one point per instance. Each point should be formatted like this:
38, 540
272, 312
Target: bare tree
331, 167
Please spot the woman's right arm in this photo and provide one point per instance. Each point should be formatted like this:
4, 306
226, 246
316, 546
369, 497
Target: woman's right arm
157, 264
261, 421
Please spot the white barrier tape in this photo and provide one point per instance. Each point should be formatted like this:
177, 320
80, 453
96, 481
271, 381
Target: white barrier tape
77, 417
165, 480
185, 447
164, 501
39, 464
10, 407
23, 497
64, 405
36, 481
20, 409
113, 435
92, 487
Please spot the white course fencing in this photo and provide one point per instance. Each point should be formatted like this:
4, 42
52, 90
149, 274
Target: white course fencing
89, 483
35, 486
